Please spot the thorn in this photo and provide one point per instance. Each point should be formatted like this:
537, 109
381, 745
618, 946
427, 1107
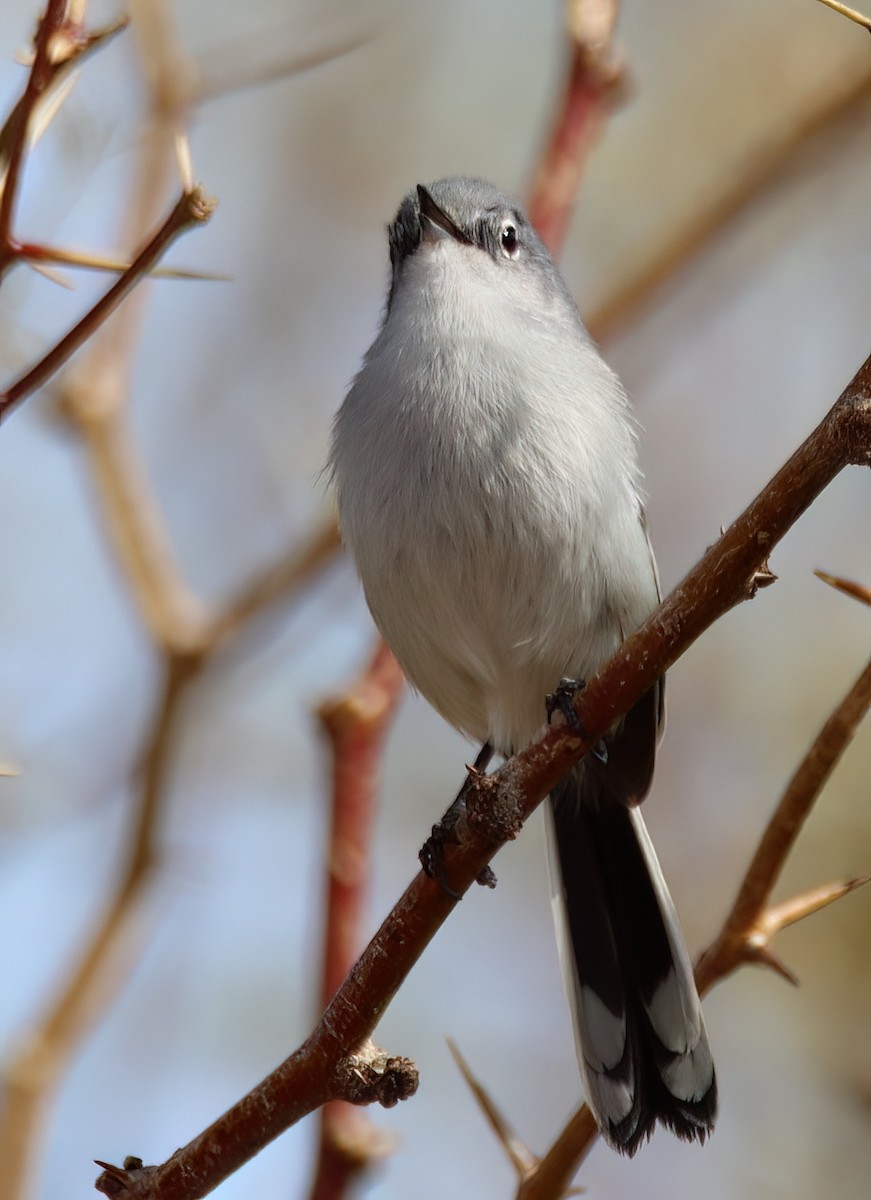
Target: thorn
116, 1172
847, 586
51, 275
762, 954
764, 577
791, 911
37, 256
522, 1158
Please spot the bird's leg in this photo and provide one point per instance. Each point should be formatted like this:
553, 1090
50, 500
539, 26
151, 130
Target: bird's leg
432, 851
563, 700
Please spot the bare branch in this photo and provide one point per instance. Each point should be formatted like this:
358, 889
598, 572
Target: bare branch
278, 581
593, 86
746, 923
356, 724
192, 208
60, 43
857, 590
32, 1075
850, 13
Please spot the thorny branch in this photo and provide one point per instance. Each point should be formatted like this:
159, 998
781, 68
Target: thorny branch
748, 928
60, 43
192, 208
498, 805
356, 725
594, 84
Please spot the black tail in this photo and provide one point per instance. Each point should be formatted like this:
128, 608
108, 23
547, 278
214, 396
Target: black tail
640, 1035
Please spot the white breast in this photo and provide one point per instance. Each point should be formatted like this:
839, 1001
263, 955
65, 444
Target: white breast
485, 467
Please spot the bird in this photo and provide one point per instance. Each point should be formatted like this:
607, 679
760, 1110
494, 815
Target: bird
485, 467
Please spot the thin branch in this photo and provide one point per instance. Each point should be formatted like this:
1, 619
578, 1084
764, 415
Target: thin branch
857, 590
850, 13
278, 581
31, 1077
356, 724
593, 86
761, 170
262, 59
15, 130
744, 929
192, 208
59, 44
498, 804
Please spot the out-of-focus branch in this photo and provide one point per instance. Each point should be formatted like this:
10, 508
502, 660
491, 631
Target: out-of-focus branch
752, 922
257, 60
31, 1076
278, 581
857, 590
593, 86
750, 925
850, 13
498, 804
760, 172
185, 634
356, 724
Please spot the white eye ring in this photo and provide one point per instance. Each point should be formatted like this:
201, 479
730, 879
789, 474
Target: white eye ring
508, 240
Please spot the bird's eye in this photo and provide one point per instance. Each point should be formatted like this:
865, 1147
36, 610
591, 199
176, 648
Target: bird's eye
509, 240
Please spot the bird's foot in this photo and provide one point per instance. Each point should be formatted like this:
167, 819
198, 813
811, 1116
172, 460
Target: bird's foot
562, 700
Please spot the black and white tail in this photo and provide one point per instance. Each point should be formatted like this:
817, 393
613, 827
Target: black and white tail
640, 1035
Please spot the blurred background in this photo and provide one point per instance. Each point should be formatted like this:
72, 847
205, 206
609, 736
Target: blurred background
731, 361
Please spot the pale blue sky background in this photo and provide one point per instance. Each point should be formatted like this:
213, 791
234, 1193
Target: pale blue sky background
731, 366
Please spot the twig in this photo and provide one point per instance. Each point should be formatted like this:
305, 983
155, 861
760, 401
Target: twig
592, 88
850, 13
31, 1076
357, 724
17, 125
857, 590
60, 43
192, 208
748, 928
498, 804
761, 170
278, 581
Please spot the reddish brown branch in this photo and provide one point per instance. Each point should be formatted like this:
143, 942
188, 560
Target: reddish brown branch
192, 208
591, 89
59, 44
499, 803
42, 73
357, 724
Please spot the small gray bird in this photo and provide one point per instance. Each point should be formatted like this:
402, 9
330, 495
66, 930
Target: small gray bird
485, 467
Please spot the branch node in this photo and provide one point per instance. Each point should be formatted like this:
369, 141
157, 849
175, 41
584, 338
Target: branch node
494, 810
115, 1181
374, 1077
758, 951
